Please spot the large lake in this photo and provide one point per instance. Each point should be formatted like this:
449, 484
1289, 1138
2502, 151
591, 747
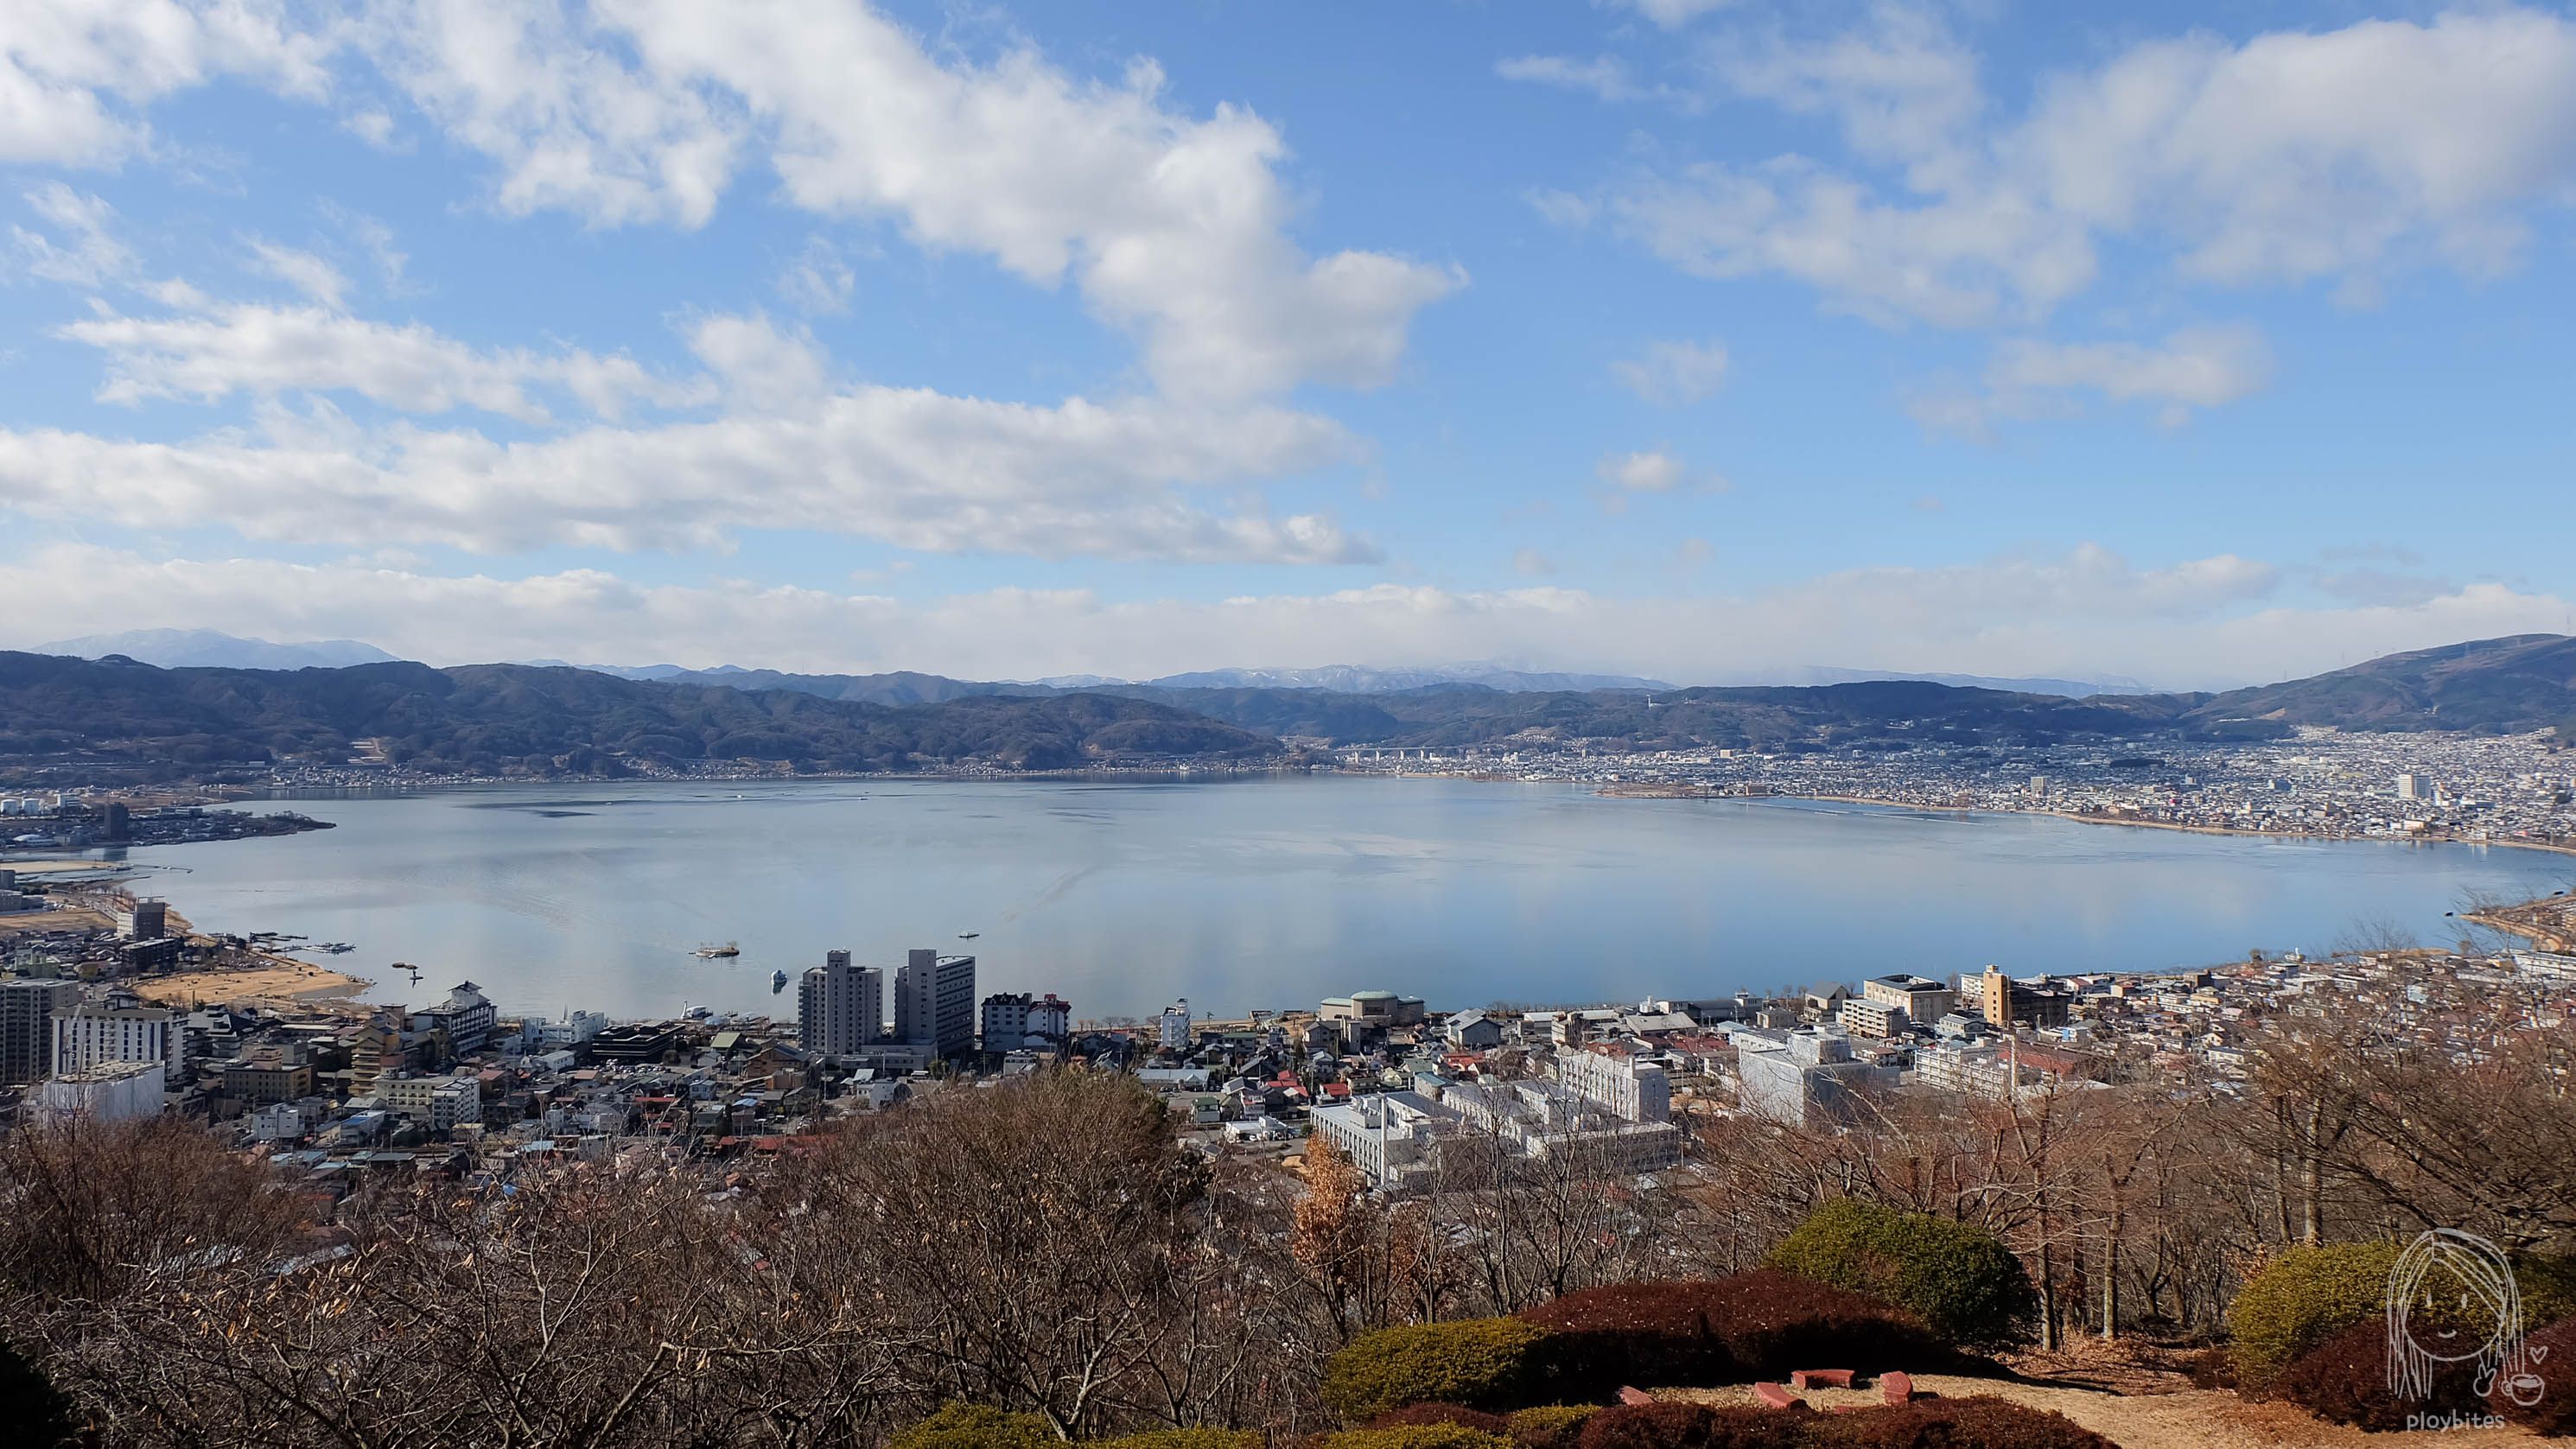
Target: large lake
1273, 892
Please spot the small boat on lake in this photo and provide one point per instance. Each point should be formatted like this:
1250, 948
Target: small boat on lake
718, 953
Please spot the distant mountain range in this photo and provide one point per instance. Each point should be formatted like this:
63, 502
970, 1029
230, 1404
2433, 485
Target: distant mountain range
545, 720
206, 649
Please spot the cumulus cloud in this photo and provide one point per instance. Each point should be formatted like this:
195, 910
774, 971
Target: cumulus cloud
2344, 155
908, 466
2205, 623
1656, 470
73, 73
1171, 225
1674, 373
2196, 367
218, 350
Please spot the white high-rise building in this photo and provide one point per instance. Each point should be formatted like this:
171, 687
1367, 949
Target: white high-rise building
2410, 787
1630, 1090
1174, 1026
118, 1029
934, 1002
840, 1008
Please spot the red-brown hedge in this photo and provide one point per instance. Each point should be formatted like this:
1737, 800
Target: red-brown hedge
2345, 1379
1761, 1324
1970, 1423
2554, 1359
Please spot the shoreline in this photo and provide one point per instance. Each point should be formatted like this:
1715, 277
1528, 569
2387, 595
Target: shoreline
1614, 792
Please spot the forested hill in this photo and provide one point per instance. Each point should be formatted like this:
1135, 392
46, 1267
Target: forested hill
2512, 685
490, 719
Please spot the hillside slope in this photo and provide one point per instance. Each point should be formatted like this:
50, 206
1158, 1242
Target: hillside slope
504, 718
2512, 685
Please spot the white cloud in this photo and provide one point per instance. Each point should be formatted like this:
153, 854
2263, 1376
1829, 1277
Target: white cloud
910, 467
818, 280
2197, 367
1674, 14
1647, 472
307, 273
1603, 76
87, 255
224, 350
1171, 225
2208, 622
72, 72
764, 369
1672, 374
2346, 155
1529, 563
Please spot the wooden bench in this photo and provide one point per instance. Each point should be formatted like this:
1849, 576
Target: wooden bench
1821, 1379
1774, 1396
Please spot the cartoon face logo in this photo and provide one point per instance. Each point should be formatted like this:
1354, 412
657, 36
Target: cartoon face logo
2452, 1299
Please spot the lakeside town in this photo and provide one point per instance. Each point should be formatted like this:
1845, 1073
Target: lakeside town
2318, 783
113, 1009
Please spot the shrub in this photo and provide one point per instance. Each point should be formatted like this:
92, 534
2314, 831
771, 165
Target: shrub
1412, 1436
2308, 1295
2553, 1350
977, 1426
1971, 1423
2302, 1298
1187, 1439
2345, 1379
1482, 1363
1476, 1419
1550, 1426
1958, 1278
1688, 1426
1752, 1325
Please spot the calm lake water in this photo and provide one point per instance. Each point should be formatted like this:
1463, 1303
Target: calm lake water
1272, 892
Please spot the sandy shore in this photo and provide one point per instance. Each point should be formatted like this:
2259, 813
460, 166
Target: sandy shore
276, 979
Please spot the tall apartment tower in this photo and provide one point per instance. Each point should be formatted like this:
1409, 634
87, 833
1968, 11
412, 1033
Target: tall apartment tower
118, 1029
934, 1002
840, 1008
27, 1008
2410, 787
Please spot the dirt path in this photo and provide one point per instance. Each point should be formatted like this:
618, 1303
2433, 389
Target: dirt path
2186, 1419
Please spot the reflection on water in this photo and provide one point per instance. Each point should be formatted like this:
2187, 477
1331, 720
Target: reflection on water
1273, 892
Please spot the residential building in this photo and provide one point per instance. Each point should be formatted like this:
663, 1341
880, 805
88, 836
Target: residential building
1922, 999
261, 1082
840, 1008
2007, 1002
1626, 1088
1011, 1021
1394, 1138
934, 1002
438, 1103
27, 1007
142, 919
107, 1092
119, 1028
1173, 1026
1808, 1074
1473, 1031
1870, 1017
466, 1018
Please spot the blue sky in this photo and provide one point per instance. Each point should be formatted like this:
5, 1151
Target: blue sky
1705, 340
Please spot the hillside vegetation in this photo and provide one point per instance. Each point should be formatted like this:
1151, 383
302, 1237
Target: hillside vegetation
497, 718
